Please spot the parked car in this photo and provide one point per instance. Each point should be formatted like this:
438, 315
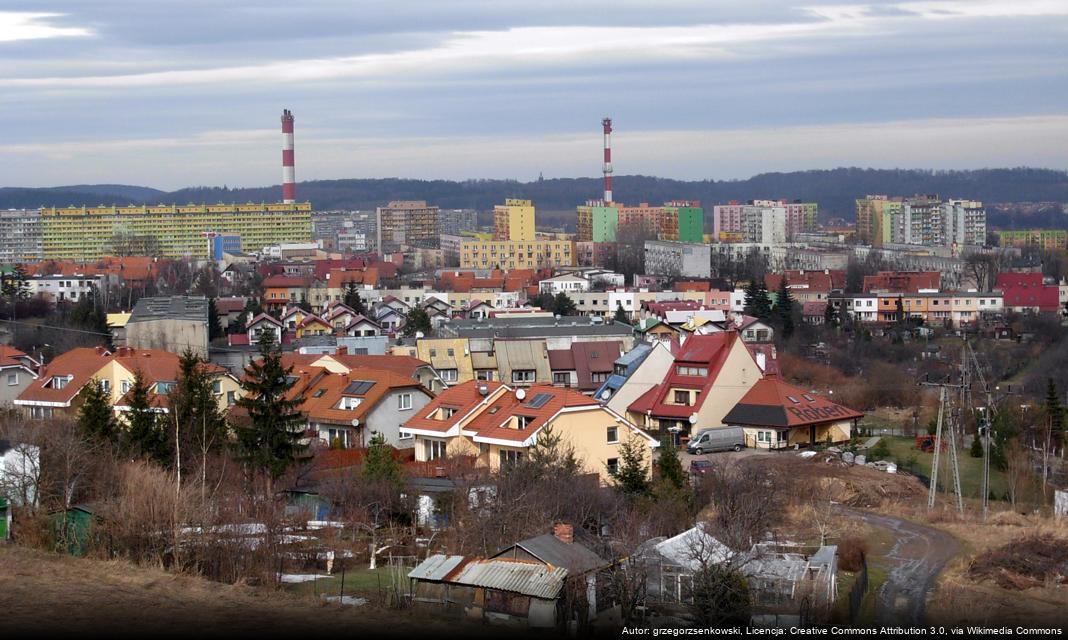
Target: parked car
719, 439
700, 467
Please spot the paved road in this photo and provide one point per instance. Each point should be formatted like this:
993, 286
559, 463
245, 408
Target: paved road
917, 557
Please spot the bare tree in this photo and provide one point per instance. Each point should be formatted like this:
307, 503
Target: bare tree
746, 501
1017, 469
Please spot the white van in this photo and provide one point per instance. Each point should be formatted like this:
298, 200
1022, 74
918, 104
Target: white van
717, 439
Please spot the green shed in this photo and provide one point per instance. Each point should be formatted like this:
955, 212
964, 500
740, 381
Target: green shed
71, 529
5, 518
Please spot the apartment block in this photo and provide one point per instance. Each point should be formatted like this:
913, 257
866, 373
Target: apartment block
20, 235
596, 222
668, 258
509, 254
1047, 239
514, 220
407, 224
173, 231
456, 221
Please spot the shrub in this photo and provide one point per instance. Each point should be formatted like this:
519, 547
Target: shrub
851, 553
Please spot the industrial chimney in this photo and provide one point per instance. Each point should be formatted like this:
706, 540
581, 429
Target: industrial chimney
607, 124
289, 176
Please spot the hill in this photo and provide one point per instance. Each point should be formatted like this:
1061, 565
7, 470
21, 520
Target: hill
834, 189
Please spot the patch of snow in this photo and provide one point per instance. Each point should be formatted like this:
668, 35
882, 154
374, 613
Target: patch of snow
297, 578
351, 601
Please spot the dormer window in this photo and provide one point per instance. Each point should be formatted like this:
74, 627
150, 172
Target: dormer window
521, 422
58, 382
349, 403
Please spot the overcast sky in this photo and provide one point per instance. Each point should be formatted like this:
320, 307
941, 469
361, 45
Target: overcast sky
172, 94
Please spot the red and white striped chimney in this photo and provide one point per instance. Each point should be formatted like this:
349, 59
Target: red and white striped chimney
289, 176
607, 124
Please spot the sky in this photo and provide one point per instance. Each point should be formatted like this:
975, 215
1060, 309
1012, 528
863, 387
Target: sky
173, 94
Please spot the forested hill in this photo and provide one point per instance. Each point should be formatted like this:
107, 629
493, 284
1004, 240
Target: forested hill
833, 189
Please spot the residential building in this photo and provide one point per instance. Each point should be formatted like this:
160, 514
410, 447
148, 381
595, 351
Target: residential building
450, 357
1028, 293
64, 288
557, 333
1046, 239
174, 231
584, 366
407, 223
965, 222
763, 221
17, 371
512, 255
567, 283
56, 389
514, 220
522, 363
902, 282
20, 236
777, 415
875, 219
678, 259
172, 324
456, 222
497, 424
710, 373
689, 221
596, 222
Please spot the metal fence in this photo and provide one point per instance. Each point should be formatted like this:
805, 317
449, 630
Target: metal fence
856, 594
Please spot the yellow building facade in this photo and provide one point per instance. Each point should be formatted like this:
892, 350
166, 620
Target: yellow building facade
173, 231
514, 220
509, 254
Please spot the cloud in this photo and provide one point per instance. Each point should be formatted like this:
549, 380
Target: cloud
15, 26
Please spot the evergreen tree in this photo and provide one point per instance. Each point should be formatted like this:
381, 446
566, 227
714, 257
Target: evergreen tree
214, 326
632, 475
668, 465
251, 310
550, 456
270, 441
1054, 409
752, 292
621, 315
417, 320
202, 427
830, 315
353, 300
563, 305
145, 434
95, 417
976, 450
785, 308
379, 465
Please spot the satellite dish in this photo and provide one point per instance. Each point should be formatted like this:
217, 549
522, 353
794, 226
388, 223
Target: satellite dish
606, 394
355, 422
693, 418
520, 394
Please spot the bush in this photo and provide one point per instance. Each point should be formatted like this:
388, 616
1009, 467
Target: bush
880, 451
851, 553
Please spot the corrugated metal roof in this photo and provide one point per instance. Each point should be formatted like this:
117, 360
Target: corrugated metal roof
573, 556
436, 567
527, 578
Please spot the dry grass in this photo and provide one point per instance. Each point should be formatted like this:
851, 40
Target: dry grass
43, 592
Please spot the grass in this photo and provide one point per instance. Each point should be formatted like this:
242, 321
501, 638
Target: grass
357, 581
971, 469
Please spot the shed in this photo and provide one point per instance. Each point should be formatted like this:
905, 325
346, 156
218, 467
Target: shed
71, 529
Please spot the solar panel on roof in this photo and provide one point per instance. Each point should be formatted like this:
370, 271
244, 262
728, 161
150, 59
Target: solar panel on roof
808, 397
539, 400
793, 400
358, 387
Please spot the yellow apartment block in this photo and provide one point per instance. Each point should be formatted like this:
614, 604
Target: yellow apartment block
173, 231
508, 255
514, 220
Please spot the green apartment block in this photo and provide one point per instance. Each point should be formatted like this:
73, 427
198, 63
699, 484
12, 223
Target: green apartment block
597, 223
691, 224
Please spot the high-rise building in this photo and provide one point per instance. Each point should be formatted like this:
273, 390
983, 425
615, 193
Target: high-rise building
668, 258
924, 220
876, 219
597, 222
513, 254
173, 231
763, 221
688, 220
455, 222
514, 220
407, 223
20, 235
1048, 239
965, 222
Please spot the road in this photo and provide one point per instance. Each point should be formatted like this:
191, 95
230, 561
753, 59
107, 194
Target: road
914, 561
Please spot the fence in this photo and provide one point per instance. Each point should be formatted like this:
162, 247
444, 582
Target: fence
856, 594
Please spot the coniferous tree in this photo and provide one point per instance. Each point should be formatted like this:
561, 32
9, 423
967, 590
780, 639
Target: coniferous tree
353, 300
632, 475
144, 435
96, 418
621, 315
752, 292
379, 465
416, 321
270, 442
563, 305
668, 465
201, 425
214, 326
830, 315
785, 308
550, 456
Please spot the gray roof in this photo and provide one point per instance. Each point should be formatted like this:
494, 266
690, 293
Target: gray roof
637, 354
193, 309
527, 578
573, 556
435, 567
492, 330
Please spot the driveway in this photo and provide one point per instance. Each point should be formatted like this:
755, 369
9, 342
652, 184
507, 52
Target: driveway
918, 555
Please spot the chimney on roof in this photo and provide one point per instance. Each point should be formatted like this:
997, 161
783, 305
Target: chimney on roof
564, 532
342, 351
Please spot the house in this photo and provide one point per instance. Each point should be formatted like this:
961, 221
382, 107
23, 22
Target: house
707, 378
1027, 292
585, 366
754, 329
263, 322
173, 324
339, 316
567, 284
17, 371
477, 309
638, 375
390, 319
313, 325
814, 313
497, 423
522, 362
280, 291
56, 389
229, 310
344, 409
777, 415
362, 326
341, 361
652, 329
622, 368
450, 357
526, 583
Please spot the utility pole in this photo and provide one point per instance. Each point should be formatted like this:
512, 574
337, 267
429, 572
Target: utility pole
945, 415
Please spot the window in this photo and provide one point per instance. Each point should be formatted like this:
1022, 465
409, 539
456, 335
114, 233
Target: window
691, 371
562, 379
163, 388
105, 385
434, 449
404, 401
485, 374
433, 353
522, 422
450, 352
341, 436
58, 382
509, 458
523, 375
448, 375
613, 466
12, 379
682, 397
124, 386
613, 435
598, 377
216, 387
231, 398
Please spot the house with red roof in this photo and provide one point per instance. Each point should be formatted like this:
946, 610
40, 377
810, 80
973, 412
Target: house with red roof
256, 326
17, 371
498, 424
806, 285
776, 415
313, 325
709, 375
1027, 293
903, 282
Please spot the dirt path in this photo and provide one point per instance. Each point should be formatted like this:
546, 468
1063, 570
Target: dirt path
914, 561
